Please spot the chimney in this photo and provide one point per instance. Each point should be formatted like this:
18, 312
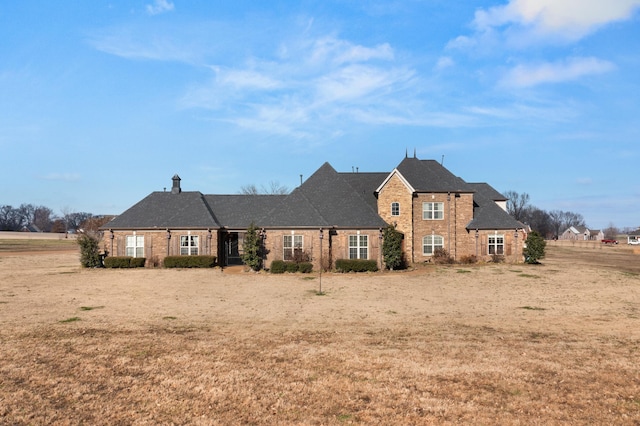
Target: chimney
176, 184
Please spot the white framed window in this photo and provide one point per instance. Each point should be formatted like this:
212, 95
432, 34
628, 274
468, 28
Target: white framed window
135, 245
496, 244
189, 245
395, 209
292, 245
432, 211
358, 246
430, 243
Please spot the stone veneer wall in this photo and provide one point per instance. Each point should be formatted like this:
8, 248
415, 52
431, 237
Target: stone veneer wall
396, 191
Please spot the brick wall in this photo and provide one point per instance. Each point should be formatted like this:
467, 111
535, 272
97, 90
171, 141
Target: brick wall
156, 244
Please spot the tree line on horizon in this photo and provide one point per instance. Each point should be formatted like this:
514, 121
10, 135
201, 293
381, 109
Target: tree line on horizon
549, 224
43, 219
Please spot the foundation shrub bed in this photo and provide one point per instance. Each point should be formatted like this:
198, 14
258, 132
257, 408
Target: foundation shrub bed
469, 259
282, 266
202, 261
124, 262
356, 265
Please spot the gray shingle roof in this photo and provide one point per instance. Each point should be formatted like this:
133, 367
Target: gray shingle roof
327, 199
239, 211
486, 213
166, 210
430, 176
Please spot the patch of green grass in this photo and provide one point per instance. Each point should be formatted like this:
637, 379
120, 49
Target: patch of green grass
72, 319
308, 278
532, 308
169, 318
90, 308
528, 276
515, 270
344, 417
463, 271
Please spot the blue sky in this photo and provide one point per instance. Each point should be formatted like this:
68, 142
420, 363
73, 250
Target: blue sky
102, 102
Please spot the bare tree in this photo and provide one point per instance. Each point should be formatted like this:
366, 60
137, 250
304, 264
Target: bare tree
517, 204
273, 188
611, 232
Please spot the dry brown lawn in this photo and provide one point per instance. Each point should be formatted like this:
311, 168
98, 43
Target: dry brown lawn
555, 343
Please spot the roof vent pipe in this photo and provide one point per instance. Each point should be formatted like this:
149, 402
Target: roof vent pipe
176, 184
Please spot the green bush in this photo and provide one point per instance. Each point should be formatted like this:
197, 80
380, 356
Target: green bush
291, 266
89, 251
356, 265
138, 262
278, 267
282, 266
305, 267
535, 248
124, 262
202, 261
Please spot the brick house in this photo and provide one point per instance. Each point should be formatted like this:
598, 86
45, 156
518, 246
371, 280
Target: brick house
340, 214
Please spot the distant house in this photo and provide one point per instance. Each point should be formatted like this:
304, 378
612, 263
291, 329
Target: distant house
342, 214
32, 227
633, 237
581, 233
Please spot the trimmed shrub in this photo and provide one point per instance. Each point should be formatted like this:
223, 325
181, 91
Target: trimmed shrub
117, 262
124, 262
278, 267
202, 261
356, 265
138, 262
305, 267
282, 266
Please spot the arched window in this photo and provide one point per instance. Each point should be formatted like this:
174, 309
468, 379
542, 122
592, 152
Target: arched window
431, 243
395, 209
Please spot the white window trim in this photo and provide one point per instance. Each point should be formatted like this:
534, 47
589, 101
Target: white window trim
432, 245
189, 247
293, 247
358, 246
134, 248
495, 243
433, 211
395, 203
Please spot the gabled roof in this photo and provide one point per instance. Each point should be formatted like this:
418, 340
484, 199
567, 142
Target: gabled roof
167, 210
239, 211
430, 176
486, 213
326, 199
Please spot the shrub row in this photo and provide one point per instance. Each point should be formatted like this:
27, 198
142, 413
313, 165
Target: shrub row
281, 266
201, 261
356, 265
124, 262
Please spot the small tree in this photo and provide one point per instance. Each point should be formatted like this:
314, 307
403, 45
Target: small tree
392, 248
89, 251
251, 247
534, 251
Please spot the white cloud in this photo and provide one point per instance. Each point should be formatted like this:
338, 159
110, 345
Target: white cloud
159, 6
570, 69
444, 62
568, 19
66, 177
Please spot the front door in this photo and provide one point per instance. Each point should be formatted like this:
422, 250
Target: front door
233, 248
